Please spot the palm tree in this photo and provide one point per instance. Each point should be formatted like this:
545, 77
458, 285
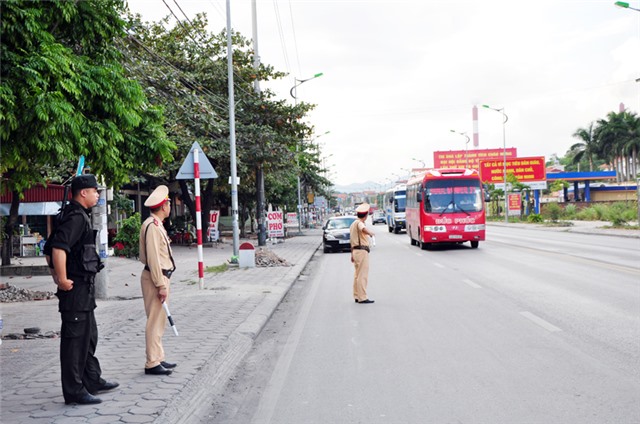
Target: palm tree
587, 148
631, 143
617, 139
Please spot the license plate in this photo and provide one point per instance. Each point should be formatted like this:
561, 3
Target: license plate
344, 241
453, 236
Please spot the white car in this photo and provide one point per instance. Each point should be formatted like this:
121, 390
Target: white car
378, 216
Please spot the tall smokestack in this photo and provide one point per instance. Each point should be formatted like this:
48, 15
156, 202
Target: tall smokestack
476, 136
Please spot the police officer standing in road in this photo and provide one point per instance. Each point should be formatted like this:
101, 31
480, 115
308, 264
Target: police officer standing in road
155, 254
74, 261
360, 247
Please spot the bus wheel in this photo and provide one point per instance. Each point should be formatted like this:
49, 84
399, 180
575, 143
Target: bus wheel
411, 240
474, 244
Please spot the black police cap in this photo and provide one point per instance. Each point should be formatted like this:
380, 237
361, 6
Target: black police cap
84, 181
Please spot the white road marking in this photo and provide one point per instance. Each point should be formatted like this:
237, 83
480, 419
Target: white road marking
542, 323
471, 283
439, 265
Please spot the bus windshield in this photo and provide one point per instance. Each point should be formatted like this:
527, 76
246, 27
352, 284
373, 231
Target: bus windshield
400, 203
452, 196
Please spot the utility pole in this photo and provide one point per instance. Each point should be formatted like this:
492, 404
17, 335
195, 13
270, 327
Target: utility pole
232, 137
262, 231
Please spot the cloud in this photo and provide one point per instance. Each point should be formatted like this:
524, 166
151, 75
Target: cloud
399, 75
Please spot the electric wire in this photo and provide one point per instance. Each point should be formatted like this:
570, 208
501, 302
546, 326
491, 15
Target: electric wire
216, 100
197, 43
282, 38
295, 39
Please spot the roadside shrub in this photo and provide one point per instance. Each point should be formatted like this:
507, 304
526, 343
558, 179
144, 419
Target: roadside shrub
587, 214
618, 214
535, 218
601, 212
570, 212
552, 211
129, 236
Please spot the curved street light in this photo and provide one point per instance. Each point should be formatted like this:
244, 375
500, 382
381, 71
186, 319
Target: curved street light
625, 5
292, 91
466, 150
298, 82
421, 161
504, 157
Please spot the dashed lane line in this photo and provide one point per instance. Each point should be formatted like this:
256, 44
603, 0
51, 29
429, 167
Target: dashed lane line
471, 283
542, 323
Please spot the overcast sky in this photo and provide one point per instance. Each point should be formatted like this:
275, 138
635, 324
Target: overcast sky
399, 75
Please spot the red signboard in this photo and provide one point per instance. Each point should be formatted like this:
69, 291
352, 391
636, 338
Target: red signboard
514, 202
527, 170
470, 159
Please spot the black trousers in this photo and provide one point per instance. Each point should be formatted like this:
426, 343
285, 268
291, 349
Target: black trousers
80, 368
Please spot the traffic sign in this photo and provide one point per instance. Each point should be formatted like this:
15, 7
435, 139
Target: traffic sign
187, 169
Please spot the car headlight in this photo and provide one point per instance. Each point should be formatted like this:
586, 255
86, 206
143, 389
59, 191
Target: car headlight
474, 227
435, 229
329, 236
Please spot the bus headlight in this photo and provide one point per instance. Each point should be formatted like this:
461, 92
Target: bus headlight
435, 229
474, 227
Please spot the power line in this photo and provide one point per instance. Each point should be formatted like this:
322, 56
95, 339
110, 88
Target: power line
295, 39
282, 39
239, 77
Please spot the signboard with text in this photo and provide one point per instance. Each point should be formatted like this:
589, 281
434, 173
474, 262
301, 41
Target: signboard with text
212, 232
292, 219
275, 224
530, 171
470, 159
514, 202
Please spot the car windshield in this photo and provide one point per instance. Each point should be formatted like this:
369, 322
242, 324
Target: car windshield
336, 224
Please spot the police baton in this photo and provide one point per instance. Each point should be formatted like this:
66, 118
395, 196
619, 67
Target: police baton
173, 325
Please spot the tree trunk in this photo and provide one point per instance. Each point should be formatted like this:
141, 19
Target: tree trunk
634, 156
186, 199
242, 215
9, 229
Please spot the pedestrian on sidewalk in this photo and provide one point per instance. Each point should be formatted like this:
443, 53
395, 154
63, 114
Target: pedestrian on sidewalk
360, 247
74, 261
155, 254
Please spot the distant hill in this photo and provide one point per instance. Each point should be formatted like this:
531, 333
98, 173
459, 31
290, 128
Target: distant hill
357, 187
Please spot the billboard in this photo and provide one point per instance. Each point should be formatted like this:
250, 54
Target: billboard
530, 171
471, 158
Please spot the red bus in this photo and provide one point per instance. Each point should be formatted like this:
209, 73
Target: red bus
445, 206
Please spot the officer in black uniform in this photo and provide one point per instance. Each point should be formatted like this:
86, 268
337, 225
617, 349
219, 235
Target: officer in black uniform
74, 263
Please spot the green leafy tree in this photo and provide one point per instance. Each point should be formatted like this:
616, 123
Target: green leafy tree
65, 94
184, 69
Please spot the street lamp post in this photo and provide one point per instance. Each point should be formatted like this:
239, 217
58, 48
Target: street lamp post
294, 93
466, 147
504, 158
421, 161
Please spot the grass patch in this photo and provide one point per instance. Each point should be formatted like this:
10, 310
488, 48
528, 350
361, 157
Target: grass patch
217, 269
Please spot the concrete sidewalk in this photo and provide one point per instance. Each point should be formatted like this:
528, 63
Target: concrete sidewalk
217, 326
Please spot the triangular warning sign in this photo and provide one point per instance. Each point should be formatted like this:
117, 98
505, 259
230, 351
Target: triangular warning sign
206, 169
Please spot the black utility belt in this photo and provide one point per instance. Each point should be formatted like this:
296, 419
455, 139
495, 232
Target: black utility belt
166, 272
361, 248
